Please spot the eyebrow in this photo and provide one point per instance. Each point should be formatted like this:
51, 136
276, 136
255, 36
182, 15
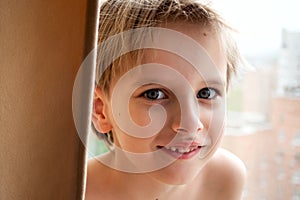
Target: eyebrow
215, 82
209, 82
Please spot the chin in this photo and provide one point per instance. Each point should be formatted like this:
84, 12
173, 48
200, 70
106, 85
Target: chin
177, 173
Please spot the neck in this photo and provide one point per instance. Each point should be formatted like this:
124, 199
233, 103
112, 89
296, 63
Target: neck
144, 186
141, 185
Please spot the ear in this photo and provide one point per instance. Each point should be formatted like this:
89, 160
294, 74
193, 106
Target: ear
100, 117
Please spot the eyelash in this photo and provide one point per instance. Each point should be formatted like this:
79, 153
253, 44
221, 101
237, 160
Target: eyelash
212, 91
162, 95
159, 91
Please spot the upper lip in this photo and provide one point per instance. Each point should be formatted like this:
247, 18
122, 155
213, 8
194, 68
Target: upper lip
187, 142
184, 145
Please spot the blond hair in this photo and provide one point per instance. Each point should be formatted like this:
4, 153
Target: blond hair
118, 16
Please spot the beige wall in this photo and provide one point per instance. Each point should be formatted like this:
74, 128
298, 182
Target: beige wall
41, 49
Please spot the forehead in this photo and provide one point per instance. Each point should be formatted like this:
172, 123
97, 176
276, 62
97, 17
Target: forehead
208, 58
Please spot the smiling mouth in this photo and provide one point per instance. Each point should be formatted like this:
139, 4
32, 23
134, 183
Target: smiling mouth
180, 149
181, 152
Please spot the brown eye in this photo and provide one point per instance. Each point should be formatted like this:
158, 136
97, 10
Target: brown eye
207, 93
154, 94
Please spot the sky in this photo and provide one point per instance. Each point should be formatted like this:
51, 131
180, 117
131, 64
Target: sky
260, 22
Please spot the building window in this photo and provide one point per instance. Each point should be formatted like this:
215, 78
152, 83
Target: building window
296, 140
281, 175
296, 178
296, 196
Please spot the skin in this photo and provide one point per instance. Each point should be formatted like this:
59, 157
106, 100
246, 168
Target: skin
217, 175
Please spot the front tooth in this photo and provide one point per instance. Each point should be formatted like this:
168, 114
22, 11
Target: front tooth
173, 149
182, 150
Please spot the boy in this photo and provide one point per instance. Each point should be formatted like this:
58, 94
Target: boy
162, 75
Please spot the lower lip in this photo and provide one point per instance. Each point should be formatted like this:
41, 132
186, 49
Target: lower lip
182, 156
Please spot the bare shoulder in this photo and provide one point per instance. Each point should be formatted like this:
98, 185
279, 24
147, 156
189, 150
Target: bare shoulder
96, 180
227, 174
229, 164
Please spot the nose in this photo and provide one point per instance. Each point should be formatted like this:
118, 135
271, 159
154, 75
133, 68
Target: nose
187, 117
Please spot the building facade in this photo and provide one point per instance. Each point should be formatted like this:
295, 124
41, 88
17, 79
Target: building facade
267, 137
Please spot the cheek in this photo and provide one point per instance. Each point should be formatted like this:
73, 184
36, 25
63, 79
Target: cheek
139, 114
132, 144
214, 121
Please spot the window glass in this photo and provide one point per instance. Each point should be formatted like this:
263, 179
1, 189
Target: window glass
263, 123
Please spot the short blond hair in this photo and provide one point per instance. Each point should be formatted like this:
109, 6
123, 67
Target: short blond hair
118, 16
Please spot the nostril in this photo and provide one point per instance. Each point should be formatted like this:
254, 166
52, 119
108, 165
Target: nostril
200, 129
190, 125
181, 130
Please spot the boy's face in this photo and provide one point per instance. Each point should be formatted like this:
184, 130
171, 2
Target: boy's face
175, 109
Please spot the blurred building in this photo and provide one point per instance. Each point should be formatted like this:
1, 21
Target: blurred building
289, 65
266, 133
